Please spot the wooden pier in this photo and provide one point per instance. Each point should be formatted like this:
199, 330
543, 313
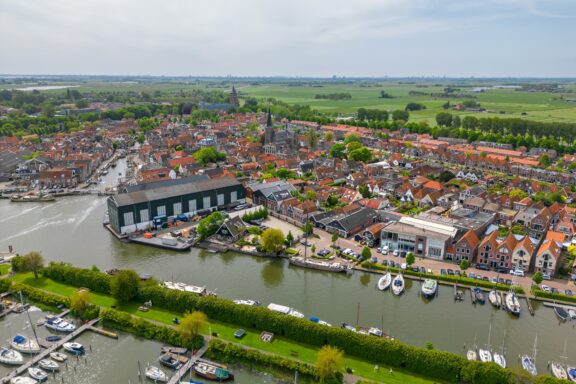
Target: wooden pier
472, 295
530, 308
503, 298
188, 366
45, 353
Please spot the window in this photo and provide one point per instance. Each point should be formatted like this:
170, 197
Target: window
192, 205
144, 217
177, 208
206, 203
161, 210
220, 199
233, 196
467, 251
128, 218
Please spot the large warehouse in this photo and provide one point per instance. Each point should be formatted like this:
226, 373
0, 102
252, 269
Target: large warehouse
138, 205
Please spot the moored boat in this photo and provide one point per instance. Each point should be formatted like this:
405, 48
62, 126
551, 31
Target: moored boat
155, 374
60, 325
494, 298
285, 310
459, 295
480, 296
318, 264
168, 361
37, 374
23, 380
529, 364
212, 371
74, 348
252, 303
316, 320
58, 356
10, 357
512, 303
31, 198
24, 344
571, 371
471, 355
485, 355
558, 371
499, 359
572, 313
53, 338
385, 281
429, 288
48, 365
561, 313
398, 284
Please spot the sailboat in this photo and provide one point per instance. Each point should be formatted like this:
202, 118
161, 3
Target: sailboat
499, 357
485, 354
558, 369
529, 362
495, 298
471, 354
385, 281
512, 302
398, 284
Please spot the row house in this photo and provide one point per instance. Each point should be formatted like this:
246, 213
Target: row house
548, 257
512, 251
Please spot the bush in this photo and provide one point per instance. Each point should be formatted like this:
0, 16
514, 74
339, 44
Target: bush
95, 281
258, 214
18, 264
553, 296
4, 285
40, 296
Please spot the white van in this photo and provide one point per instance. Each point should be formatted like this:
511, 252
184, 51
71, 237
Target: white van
517, 272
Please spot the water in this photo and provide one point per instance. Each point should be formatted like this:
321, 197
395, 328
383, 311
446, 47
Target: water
71, 230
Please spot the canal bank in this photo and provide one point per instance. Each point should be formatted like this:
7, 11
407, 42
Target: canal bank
71, 231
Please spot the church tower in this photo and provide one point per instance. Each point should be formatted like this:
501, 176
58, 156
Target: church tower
269, 144
234, 98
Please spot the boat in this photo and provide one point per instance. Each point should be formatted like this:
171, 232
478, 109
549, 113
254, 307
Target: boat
53, 338
471, 355
561, 313
349, 328
459, 295
571, 371
24, 344
558, 371
499, 359
32, 198
429, 288
60, 325
529, 362
48, 365
185, 288
485, 355
316, 320
317, 264
375, 332
58, 356
285, 310
41, 322
252, 303
23, 380
37, 374
155, 374
480, 296
398, 284
572, 313
494, 298
10, 357
385, 281
74, 348
512, 303
168, 361
212, 371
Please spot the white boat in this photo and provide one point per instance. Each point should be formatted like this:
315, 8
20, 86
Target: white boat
375, 332
48, 365
398, 284
37, 374
316, 320
385, 281
499, 359
558, 371
24, 344
185, 287
58, 356
471, 355
485, 355
285, 310
155, 374
495, 298
60, 325
74, 348
528, 364
571, 371
317, 264
429, 288
572, 313
10, 357
252, 303
23, 380
512, 303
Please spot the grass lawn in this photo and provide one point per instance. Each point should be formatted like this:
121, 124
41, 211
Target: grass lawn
279, 346
4, 268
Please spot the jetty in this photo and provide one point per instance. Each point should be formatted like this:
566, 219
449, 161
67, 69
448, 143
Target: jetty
188, 366
530, 308
46, 352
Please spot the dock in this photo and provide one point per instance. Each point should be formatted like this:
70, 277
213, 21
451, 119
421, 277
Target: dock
104, 332
46, 352
472, 295
188, 366
503, 298
530, 308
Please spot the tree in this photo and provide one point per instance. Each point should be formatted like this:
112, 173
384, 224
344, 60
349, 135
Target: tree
352, 146
289, 238
48, 110
327, 362
429, 346
124, 286
313, 248
312, 138
410, 259
456, 121
272, 240
334, 239
33, 262
446, 176
361, 154
210, 224
400, 115
517, 194
311, 195
537, 278
366, 253
464, 264
308, 228
79, 301
328, 136
209, 155
351, 138
364, 191
414, 106
545, 160
338, 150
444, 119
191, 325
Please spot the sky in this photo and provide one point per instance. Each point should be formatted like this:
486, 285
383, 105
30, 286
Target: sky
296, 38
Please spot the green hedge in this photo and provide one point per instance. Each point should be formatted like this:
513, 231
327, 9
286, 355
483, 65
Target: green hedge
39, 295
146, 329
232, 353
452, 279
4, 285
553, 296
95, 281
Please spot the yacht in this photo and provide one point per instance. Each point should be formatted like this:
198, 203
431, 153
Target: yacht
212, 371
24, 344
499, 359
156, 374
529, 362
60, 325
23, 380
471, 355
49, 365
285, 310
571, 373
385, 282
74, 348
169, 361
429, 288
58, 356
398, 284
485, 355
10, 357
558, 371
495, 298
37, 374
252, 303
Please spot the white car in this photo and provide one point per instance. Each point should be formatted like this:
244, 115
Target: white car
403, 266
545, 288
517, 272
395, 253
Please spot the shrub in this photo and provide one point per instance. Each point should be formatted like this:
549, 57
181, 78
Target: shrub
95, 281
553, 296
258, 214
40, 296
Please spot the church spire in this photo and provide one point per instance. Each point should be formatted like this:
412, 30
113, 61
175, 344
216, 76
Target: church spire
269, 117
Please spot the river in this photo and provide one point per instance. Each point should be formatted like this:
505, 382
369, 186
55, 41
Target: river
71, 230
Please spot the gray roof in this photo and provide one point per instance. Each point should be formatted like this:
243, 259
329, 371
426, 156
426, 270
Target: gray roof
10, 160
154, 192
167, 183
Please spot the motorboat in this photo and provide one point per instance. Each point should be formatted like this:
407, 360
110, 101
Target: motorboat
571, 371
53, 338
58, 356
529, 364
169, 361
375, 332
459, 295
252, 303
41, 322
512, 303
316, 320
480, 296
429, 288
155, 374
350, 328
60, 325
558, 371
471, 355
37, 374
10, 357
23, 380
485, 355
385, 281
212, 371
285, 310
499, 359
398, 284
572, 313
561, 313
318, 264
24, 344
494, 298
74, 348
49, 365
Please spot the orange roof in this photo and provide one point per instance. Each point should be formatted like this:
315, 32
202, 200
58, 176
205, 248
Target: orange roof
471, 238
436, 185
556, 236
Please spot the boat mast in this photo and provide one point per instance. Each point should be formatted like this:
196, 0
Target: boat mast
503, 341
29, 320
489, 334
535, 342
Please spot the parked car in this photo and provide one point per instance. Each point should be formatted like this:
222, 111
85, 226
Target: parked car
508, 282
379, 250
568, 292
502, 270
384, 263
415, 269
450, 272
395, 253
403, 266
457, 273
517, 272
546, 276
422, 270
482, 267
471, 275
443, 272
494, 280
555, 291
485, 278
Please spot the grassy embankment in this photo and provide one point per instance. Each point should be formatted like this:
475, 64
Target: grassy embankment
279, 346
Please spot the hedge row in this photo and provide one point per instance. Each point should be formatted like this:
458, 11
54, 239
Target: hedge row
232, 353
95, 281
147, 329
553, 296
4, 285
39, 295
449, 278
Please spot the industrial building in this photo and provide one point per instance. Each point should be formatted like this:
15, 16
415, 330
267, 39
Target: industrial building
137, 206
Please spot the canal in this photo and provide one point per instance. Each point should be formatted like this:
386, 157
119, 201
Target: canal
71, 230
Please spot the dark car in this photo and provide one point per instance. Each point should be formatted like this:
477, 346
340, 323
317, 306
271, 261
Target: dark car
502, 270
422, 270
482, 267
415, 269
403, 254
443, 272
555, 290
501, 281
457, 273
508, 282
450, 272
384, 263
485, 278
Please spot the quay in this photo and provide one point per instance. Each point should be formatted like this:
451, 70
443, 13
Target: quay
43, 354
188, 366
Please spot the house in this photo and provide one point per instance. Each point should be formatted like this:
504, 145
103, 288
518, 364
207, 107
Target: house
349, 224
466, 247
522, 254
547, 258
232, 229
371, 234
